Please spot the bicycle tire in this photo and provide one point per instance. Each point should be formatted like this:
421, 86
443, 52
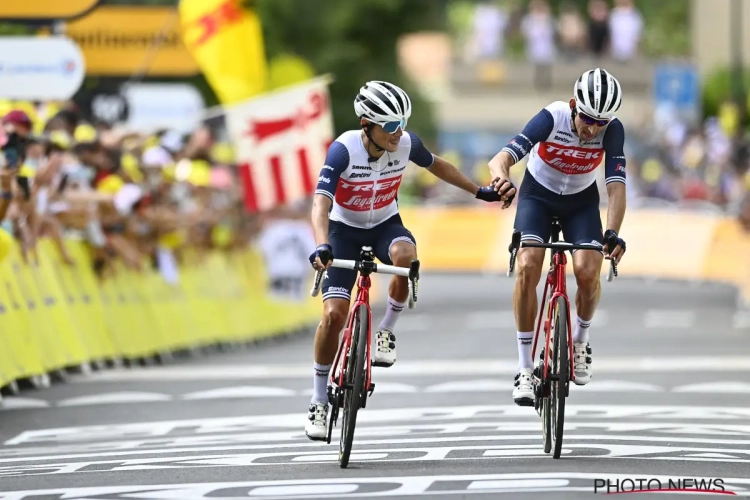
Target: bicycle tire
355, 375
561, 368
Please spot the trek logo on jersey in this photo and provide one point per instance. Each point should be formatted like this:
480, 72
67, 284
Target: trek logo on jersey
570, 160
361, 196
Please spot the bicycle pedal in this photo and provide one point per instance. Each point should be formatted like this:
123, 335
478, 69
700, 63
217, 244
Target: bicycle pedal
380, 364
372, 388
524, 402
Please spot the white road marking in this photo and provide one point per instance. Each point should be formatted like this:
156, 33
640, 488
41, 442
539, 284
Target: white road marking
668, 432
447, 367
424, 415
245, 391
395, 486
401, 454
116, 397
15, 403
719, 387
490, 320
741, 320
617, 386
411, 323
380, 388
662, 318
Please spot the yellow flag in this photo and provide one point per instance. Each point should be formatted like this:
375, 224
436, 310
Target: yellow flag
226, 40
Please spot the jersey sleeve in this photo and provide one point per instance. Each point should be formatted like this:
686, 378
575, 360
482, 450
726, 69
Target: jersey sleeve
337, 161
535, 131
419, 153
614, 144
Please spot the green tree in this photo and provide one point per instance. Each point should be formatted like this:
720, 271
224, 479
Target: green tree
355, 41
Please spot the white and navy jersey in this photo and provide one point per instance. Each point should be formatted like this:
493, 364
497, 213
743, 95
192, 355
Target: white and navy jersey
364, 192
559, 160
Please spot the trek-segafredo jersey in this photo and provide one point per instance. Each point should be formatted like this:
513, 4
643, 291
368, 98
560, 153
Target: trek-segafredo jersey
559, 160
364, 192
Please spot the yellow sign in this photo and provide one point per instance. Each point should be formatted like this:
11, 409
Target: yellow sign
45, 9
121, 41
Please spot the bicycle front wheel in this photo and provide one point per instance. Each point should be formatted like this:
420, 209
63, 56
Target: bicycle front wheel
561, 370
354, 381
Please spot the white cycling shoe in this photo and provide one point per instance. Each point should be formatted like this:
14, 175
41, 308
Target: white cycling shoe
385, 349
523, 389
316, 428
582, 363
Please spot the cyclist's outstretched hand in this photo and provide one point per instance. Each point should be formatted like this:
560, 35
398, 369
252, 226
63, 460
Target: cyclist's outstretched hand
322, 257
614, 246
505, 189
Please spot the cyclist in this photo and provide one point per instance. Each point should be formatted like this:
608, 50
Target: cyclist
566, 142
357, 192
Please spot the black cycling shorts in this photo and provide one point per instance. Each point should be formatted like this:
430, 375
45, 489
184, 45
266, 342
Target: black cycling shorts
347, 243
578, 214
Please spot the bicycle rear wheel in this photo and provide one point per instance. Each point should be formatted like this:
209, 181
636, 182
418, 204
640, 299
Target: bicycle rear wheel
561, 370
354, 381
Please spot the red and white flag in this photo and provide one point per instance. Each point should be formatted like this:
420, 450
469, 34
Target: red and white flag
281, 140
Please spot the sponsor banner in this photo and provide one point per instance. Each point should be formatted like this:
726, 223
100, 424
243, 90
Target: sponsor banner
152, 106
37, 10
281, 141
121, 41
664, 244
62, 316
40, 69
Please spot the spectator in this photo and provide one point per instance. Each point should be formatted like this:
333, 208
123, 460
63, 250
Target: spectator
538, 28
599, 34
626, 29
571, 30
490, 22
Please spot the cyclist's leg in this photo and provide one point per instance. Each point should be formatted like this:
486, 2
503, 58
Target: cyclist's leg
582, 225
397, 246
337, 288
533, 219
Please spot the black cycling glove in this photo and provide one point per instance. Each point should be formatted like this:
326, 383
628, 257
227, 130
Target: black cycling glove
612, 240
324, 252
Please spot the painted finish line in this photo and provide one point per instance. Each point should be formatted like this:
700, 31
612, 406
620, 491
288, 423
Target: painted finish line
635, 364
389, 455
390, 487
423, 415
454, 432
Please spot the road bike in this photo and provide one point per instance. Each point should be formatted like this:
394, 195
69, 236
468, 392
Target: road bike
552, 384
351, 378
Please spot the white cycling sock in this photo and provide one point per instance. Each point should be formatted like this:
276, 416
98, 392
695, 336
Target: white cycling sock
392, 311
581, 331
525, 341
320, 383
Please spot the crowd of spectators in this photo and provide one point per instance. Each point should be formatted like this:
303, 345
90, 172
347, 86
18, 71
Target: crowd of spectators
140, 198
602, 31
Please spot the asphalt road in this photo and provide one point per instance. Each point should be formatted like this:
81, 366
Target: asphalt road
669, 401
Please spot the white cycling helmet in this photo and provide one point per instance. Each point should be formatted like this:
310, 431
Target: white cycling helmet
597, 94
382, 102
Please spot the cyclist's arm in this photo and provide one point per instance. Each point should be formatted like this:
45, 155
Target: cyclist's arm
535, 131
614, 173
439, 167
337, 161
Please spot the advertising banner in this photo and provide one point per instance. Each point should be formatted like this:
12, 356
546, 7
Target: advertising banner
36, 10
281, 140
47, 68
127, 40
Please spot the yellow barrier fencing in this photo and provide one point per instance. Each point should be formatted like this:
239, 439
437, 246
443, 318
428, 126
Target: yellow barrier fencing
56, 316
661, 243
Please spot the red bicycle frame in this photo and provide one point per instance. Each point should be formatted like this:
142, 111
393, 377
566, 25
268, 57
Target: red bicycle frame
556, 280
362, 298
